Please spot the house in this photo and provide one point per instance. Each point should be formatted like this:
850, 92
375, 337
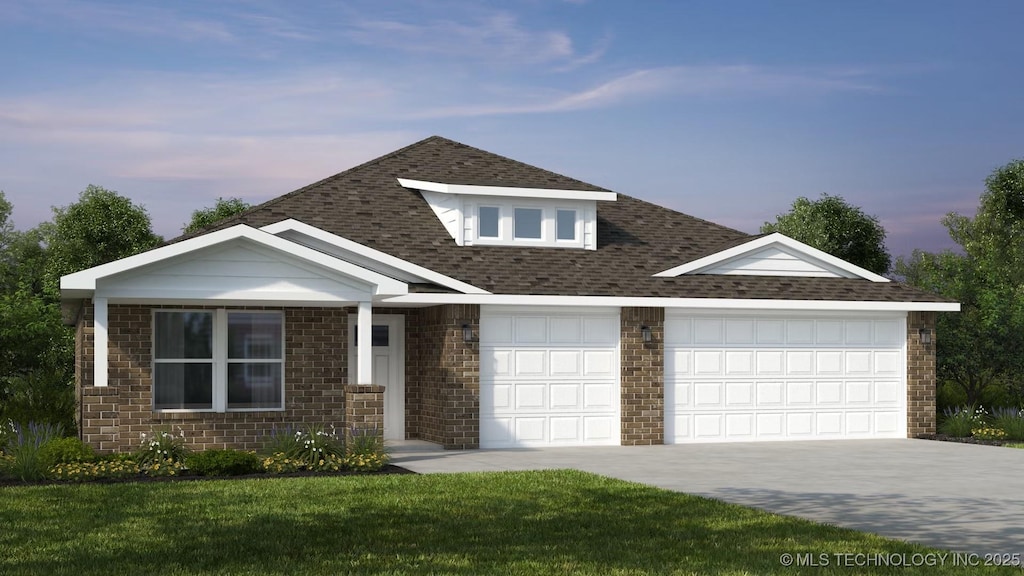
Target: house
452, 295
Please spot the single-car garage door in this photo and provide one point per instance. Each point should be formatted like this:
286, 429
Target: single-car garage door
768, 377
549, 377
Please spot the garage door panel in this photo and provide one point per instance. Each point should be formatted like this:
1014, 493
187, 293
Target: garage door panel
549, 378
799, 378
707, 394
707, 331
598, 396
566, 363
739, 362
531, 330
707, 362
565, 396
739, 394
600, 363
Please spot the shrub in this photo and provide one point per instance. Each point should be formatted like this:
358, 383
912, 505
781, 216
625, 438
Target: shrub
988, 433
960, 422
65, 451
280, 463
1010, 421
24, 448
163, 468
162, 446
223, 463
282, 440
365, 451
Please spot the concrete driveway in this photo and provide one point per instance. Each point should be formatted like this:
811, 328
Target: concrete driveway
955, 496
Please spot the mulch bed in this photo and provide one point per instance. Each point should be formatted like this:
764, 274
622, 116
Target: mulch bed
389, 469
968, 440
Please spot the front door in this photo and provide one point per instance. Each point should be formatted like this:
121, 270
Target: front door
388, 341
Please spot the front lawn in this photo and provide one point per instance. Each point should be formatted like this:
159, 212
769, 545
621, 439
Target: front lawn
552, 522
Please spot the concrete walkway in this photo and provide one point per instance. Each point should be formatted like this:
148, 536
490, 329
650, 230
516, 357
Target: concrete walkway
954, 496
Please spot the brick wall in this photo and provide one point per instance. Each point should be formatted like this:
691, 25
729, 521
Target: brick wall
364, 407
921, 385
442, 376
113, 418
643, 377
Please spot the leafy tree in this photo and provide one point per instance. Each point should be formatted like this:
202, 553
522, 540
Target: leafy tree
981, 348
224, 208
101, 227
831, 225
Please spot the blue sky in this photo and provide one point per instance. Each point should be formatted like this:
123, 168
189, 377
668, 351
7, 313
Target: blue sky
726, 110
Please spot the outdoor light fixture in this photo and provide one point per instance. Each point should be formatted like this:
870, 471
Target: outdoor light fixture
645, 331
467, 333
925, 335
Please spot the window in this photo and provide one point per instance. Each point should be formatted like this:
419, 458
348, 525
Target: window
218, 360
565, 225
379, 335
489, 222
528, 223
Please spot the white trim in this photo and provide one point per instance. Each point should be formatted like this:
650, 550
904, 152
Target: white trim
83, 283
696, 266
100, 342
394, 388
364, 347
723, 303
508, 191
386, 259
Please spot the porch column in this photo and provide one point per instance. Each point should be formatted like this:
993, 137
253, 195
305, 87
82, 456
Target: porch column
99, 374
364, 345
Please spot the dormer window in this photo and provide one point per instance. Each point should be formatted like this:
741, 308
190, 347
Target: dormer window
504, 216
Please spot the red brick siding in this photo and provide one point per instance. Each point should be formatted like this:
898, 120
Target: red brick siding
113, 418
643, 377
921, 386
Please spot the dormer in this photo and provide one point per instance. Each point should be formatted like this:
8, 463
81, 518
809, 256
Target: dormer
508, 216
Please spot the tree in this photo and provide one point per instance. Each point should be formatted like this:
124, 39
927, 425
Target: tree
831, 225
224, 208
101, 227
981, 348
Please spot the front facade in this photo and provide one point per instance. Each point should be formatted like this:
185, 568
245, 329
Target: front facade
447, 294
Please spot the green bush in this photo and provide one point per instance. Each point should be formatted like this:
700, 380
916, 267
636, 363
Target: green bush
960, 422
24, 448
65, 451
1010, 421
365, 451
223, 463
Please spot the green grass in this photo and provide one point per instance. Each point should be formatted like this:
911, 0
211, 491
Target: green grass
1014, 444
553, 522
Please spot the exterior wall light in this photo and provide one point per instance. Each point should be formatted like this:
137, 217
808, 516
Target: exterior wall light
924, 335
646, 333
467, 333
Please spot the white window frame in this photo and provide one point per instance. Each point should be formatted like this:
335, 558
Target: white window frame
577, 225
220, 360
548, 226
542, 224
478, 223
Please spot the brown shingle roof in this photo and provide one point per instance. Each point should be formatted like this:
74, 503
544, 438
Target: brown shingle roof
636, 239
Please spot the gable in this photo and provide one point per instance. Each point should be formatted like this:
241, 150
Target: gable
773, 255
239, 271
775, 261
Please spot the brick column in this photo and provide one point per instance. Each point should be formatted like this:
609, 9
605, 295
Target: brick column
643, 377
921, 385
99, 425
364, 407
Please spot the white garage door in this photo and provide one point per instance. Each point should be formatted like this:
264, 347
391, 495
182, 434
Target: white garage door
784, 378
549, 378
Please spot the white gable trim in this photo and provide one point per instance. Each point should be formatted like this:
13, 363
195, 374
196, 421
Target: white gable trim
508, 191
386, 259
83, 284
692, 303
841, 267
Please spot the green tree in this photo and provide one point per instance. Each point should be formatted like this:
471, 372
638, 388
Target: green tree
831, 225
981, 348
224, 208
101, 227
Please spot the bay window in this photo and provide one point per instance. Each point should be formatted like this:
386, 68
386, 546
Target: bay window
218, 360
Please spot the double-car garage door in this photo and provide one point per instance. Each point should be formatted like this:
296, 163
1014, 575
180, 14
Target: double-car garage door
744, 378
550, 376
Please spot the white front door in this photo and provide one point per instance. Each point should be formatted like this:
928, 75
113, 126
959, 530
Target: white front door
388, 336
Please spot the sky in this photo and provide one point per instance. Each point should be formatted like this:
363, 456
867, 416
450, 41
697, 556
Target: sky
727, 110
